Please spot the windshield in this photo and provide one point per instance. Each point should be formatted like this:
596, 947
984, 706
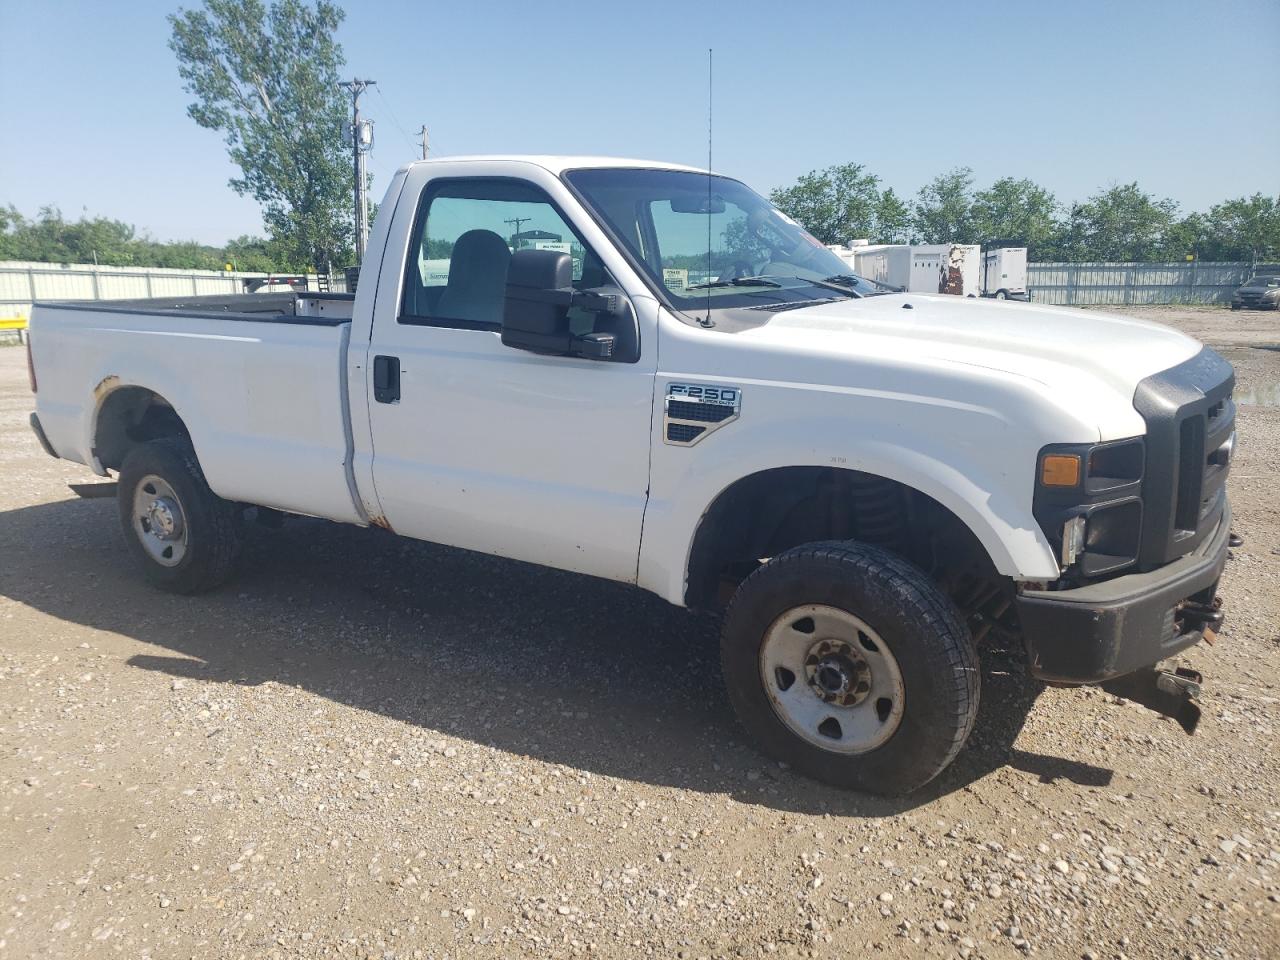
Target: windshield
711, 241
1264, 282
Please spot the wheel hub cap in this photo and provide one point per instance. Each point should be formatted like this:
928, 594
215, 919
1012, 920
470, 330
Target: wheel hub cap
832, 679
166, 520
158, 521
837, 674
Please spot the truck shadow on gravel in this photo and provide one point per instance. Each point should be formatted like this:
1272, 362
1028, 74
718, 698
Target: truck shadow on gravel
567, 669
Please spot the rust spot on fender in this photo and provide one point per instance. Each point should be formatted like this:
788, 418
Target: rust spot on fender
378, 520
105, 386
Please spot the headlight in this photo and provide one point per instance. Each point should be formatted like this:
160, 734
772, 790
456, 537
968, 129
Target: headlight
1088, 503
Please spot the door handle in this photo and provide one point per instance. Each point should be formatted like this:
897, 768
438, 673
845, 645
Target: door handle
386, 379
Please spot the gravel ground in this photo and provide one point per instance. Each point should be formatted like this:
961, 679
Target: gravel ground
368, 747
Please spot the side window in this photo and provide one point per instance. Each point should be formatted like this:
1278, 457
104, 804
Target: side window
464, 236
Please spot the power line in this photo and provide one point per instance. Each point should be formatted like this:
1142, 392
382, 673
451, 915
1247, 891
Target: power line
516, 221
396, 120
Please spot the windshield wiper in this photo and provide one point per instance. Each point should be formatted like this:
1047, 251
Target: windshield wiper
839, 284
736, 282
849, 281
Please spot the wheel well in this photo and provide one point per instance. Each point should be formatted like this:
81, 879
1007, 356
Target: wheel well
764, 514
129, 416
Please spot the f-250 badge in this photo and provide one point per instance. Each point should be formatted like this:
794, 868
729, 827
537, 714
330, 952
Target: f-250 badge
692, 411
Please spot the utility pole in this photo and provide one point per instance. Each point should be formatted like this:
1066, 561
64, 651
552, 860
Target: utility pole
423, 133
361, 144
515, 237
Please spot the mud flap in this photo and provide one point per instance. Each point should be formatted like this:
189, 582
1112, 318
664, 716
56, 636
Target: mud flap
1170, 693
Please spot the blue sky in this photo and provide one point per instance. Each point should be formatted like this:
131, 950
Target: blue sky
1182, 97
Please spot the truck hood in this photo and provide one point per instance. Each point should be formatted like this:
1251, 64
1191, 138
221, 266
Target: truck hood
1056, 346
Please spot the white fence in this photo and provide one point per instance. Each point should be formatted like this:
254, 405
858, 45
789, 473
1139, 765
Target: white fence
23, 282
1078, 284
1081, 284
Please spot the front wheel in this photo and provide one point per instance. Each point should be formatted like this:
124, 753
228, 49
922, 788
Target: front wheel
1001, 295
849, 663
185, 537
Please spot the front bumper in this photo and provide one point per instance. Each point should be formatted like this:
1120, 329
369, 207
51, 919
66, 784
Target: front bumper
1256, 304
1109, 629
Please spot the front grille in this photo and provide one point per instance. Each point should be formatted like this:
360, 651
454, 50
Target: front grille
1190, 420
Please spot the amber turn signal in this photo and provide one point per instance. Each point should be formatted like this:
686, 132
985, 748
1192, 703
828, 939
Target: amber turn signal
1060, 470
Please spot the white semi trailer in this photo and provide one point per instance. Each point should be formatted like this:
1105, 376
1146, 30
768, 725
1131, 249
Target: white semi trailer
953, 268
1004, 274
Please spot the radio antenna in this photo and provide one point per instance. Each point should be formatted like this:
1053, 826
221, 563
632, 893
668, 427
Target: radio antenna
710, 74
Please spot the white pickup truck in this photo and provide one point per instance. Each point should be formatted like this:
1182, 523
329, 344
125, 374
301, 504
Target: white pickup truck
646, 373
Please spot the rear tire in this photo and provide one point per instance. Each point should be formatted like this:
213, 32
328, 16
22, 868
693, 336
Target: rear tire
1001, 295
849, 663
184, 536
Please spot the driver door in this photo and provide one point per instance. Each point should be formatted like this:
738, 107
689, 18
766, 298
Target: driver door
491, 448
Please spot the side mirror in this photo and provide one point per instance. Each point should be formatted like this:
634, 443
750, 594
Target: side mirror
535, 315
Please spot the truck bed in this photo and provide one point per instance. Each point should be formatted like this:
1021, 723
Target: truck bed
258, 380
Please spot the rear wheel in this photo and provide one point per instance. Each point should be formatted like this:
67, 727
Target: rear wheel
847, 662
184, 536
1001, 295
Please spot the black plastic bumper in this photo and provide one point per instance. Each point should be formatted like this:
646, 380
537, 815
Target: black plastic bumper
39, 432
1113, 628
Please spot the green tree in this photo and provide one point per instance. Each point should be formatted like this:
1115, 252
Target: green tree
267, 79
1016, 213
1246, 228
10, 222
51, 238
836, 205
893, 219
943, 213
1121, 223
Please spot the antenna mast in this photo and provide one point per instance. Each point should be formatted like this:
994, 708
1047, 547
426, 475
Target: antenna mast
707, 321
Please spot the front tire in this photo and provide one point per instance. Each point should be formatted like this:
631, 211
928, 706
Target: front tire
184, 536
850, 664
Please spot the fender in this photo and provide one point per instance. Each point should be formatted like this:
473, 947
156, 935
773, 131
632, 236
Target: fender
995, 506
110, 385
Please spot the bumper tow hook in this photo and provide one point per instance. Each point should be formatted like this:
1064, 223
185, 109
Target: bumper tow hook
1201, 615
1169, 693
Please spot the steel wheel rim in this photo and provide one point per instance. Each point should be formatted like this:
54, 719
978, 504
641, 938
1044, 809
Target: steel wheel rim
832, 679
159, 521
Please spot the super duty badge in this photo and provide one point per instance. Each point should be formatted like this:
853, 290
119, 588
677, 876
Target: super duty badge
694, 410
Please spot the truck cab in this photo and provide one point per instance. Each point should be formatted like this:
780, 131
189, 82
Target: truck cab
645, 372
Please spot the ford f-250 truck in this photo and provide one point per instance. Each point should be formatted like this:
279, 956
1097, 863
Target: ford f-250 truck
647, 373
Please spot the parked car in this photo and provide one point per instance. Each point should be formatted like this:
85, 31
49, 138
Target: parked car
869, 486
1258, 293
